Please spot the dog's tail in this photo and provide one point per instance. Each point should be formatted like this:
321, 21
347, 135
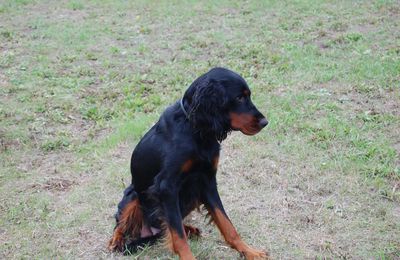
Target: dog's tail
130, 220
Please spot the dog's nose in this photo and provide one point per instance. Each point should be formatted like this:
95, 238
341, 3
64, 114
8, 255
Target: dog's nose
263, 122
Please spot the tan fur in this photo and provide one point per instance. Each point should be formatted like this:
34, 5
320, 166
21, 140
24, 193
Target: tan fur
130, 223
232, 237
187, 165
177, 244
167, 238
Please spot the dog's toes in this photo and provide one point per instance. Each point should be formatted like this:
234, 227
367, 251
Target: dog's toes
253, 254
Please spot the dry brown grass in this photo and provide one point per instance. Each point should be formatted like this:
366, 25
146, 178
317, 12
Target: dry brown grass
80, 82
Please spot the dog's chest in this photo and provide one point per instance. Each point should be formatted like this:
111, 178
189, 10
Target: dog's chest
207, 159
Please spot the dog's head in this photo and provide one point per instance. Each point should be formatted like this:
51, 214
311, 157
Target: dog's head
219, 102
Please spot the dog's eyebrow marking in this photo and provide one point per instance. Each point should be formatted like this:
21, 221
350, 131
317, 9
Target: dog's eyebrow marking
246, 92
187, 165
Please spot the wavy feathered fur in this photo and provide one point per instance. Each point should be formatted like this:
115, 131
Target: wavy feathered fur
207, 111
174, 166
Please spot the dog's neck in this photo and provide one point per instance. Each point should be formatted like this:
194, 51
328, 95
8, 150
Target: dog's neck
203, 135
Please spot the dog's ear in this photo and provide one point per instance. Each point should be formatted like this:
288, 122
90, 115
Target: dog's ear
208, 96
208, 100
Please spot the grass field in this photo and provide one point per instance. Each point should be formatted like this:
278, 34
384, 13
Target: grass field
82, 81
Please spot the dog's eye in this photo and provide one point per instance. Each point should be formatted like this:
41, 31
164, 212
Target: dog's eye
240, 99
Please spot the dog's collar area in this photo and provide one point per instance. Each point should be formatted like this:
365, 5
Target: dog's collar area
183, 108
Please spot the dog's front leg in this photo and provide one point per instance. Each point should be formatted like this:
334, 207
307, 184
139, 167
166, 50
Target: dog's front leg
176, 239
216, 210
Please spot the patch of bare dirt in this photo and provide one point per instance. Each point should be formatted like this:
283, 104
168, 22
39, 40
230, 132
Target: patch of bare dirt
356, 103
7, 144
353, 100
46, 164
55, 184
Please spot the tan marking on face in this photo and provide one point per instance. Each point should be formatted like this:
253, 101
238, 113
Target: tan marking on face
246, 123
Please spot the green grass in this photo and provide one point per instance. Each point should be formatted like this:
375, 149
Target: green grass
82, 81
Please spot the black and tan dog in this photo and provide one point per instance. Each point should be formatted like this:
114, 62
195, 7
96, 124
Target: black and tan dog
174, 166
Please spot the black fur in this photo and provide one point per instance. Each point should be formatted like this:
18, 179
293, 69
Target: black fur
166, 192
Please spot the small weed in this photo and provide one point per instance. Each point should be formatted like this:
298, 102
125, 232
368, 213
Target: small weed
58, 116
142, 49
144, 30
68, 58
330, 204
57, 144
91, 56
7, 59
91, 113
115, 50
85, 72
8, 35
76, 5
339, 26
40, 108
354, 37
365, 88
95, 113
3, 8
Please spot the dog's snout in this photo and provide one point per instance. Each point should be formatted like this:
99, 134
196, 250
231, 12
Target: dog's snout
263, 122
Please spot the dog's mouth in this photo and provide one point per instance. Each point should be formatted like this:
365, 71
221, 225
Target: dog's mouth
247, 123
249, 130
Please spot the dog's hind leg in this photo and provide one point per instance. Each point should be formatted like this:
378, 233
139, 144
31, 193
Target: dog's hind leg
129, 220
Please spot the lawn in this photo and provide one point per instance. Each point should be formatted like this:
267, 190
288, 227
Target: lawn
82, 81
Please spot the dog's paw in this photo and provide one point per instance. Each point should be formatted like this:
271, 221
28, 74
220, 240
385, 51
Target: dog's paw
254, 254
